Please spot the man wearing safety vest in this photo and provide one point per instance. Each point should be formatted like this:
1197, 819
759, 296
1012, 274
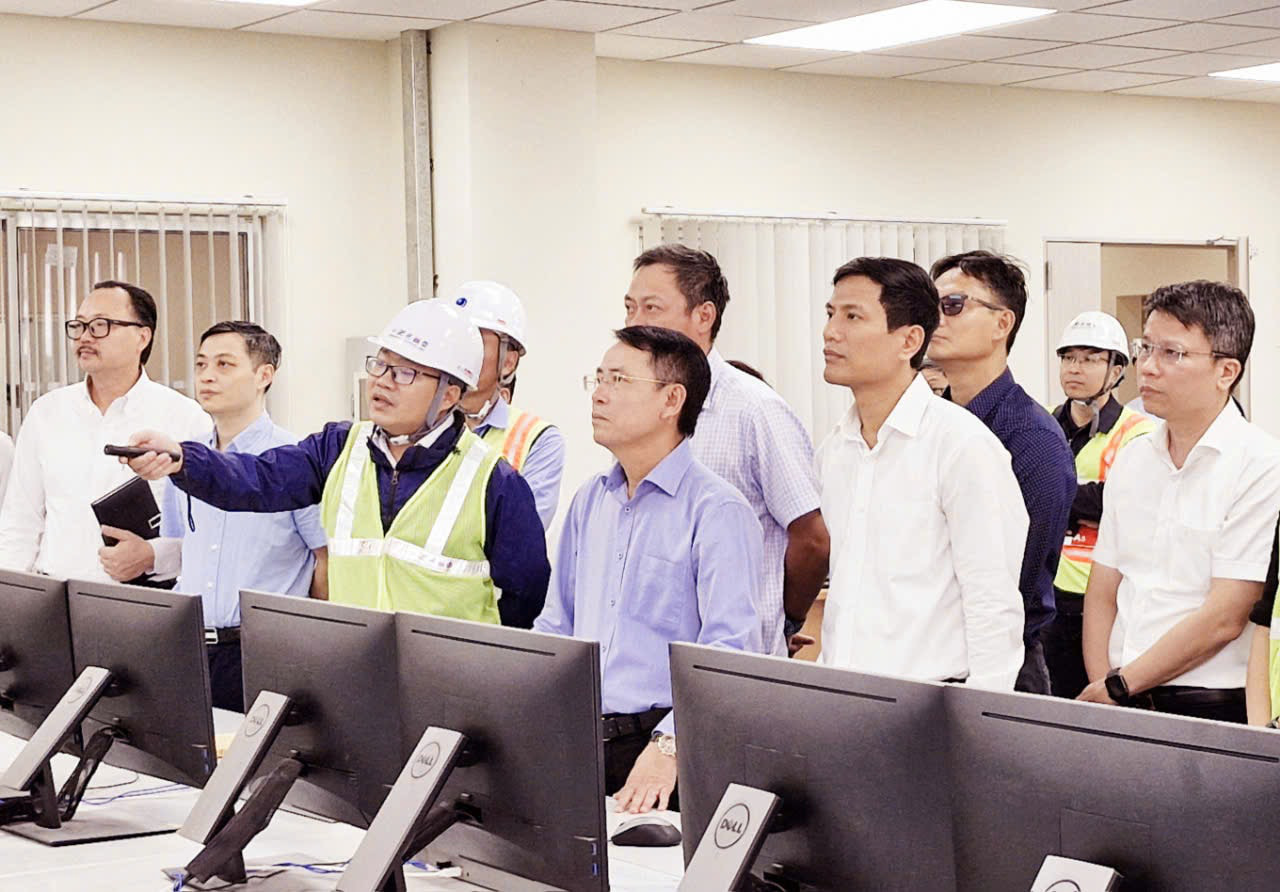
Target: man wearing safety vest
532, 446
421, 515
1262, 683
1093, 355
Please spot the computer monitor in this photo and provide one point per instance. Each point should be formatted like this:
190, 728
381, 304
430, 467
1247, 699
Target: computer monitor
857, 761
1173, 804
141, 698
523, 807
322, 727
35, 651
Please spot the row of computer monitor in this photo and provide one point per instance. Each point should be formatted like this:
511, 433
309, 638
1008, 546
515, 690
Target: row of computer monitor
880, 783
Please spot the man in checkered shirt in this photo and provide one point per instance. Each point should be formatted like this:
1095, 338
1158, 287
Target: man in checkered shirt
747, 434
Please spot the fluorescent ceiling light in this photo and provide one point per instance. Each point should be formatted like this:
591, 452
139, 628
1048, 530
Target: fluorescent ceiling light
1268, 72
905, 24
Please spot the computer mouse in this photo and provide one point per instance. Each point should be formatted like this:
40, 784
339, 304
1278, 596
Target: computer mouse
646, 830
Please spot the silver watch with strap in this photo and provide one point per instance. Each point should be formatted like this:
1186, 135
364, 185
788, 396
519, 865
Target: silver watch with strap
666, 743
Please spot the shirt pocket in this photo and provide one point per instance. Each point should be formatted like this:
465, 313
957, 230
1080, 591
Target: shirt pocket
1190, 560
661, 593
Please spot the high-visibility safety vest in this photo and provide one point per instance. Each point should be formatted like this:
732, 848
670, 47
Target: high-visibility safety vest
1092, 465
432, 558
517, 439
1274, 663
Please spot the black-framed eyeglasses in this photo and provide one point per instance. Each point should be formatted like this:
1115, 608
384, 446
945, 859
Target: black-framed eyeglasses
97, 328
401, 374
953, 304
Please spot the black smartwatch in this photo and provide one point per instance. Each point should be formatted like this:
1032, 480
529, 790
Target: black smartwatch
791, 626
1117, 687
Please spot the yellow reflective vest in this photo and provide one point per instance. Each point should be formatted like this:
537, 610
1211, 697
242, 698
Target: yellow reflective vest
516, 440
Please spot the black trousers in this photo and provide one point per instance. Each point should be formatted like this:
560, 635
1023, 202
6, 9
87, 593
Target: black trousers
226, 678
621, 752
1219, 704
1033, 677
1064, 647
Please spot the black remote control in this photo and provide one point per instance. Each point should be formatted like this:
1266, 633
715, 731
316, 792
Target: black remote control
134, 452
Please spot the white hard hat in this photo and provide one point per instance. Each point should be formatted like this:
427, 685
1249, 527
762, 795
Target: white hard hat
1098, 330
492, 306
435, 334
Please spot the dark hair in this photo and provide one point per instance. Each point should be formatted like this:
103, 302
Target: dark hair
1000, 273
260, 344
749, 369
678, 360
906, 293
144, 307
698, 277
1220, 310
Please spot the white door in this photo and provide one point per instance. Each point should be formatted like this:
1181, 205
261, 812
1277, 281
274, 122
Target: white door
1072, 284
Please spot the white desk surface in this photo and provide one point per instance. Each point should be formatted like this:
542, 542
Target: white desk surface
135, 864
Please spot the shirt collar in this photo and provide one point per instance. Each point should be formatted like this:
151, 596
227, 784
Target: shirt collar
248, 439
905, 417
1220, 434
719, 367
499, 416
992, 395
666, 475
142, 383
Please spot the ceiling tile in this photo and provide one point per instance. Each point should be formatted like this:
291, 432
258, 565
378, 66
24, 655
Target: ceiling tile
1196, 36
971, 48
711, 26
752, 56
348, 25
1091, 55
867, 65
1079, 27
1194, 64
1259, 48
1062, 5
46, 7
1193, 88
612, 45
424, 9
1095, 81
994, 73
1271, 94
570, 15
1261, 18
662, 5
184, 13
1185, 10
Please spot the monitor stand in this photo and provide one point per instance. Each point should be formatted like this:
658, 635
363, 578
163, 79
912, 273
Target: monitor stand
722, 861
30, 804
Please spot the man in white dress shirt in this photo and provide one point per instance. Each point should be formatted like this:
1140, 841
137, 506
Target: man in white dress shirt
927, 521
47, 524
1189, 519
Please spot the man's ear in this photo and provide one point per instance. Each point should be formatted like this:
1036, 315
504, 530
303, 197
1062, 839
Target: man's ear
674, 403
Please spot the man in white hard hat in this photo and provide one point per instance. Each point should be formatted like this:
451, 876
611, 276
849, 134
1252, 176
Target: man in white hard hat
532, 446
1093, 354
421, 515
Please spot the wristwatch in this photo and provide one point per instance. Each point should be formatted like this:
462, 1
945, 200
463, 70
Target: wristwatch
666, 744
1117, 687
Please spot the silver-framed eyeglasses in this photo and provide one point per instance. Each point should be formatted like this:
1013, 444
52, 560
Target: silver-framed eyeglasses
612, 379
1169, 356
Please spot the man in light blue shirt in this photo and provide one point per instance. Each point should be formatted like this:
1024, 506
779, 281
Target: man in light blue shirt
216, 553
659, 549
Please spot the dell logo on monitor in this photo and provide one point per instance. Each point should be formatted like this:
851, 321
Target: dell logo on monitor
425, 760
255, 720
732, 826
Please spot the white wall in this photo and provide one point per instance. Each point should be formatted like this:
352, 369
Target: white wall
108, 108
1051, 163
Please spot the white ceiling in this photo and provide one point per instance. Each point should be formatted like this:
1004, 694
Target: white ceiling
1142, 47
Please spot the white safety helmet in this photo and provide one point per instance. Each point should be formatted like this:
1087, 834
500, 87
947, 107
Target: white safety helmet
493, 306
435, 334
1097, 330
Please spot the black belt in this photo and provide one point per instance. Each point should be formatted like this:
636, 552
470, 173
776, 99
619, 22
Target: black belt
1181, 695
229, 635
618, 724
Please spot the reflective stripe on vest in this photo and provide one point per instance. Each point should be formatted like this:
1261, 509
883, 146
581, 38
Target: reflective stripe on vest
516, 441
423, 563
1274, 662
1077, 550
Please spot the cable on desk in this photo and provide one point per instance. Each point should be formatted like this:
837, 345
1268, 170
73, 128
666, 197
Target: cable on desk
133, 794
133, 780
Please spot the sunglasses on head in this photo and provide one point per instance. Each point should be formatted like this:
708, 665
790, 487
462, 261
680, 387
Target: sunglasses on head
953, 304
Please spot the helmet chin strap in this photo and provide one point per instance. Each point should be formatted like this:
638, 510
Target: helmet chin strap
504, 346
434, 416
1088, 402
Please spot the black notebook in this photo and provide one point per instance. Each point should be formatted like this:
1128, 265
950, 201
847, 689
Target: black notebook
132, 507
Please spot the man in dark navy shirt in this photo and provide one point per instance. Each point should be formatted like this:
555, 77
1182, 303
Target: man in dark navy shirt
420, 514
983, 299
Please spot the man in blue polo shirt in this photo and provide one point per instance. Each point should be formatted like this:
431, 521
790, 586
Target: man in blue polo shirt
983, 297
216, 553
